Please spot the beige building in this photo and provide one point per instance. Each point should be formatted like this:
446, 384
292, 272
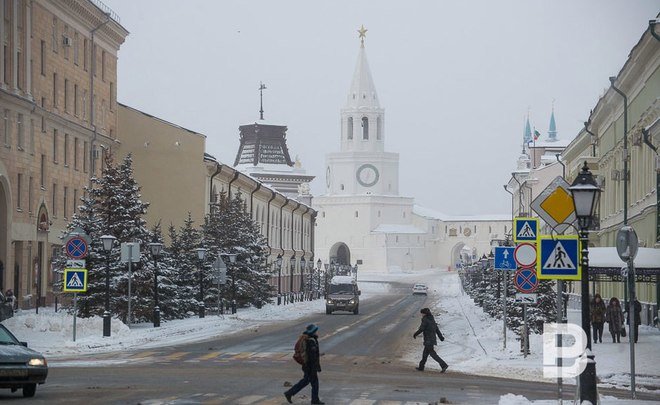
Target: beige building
603, 147
168, 165
58, 77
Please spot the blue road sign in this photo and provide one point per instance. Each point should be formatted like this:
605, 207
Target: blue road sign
525, 229
504, 258
76, 248
558, 258
75, 280
525, 280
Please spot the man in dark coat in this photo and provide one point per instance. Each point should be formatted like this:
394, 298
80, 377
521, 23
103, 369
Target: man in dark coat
430, 329
311, 366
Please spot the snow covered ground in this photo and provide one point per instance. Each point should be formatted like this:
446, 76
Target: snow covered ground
473, 341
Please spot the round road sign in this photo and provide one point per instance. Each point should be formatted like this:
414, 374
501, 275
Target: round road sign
525, 255
76, 248
525, 280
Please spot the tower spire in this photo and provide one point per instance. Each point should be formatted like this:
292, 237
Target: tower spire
552, 130
262, 87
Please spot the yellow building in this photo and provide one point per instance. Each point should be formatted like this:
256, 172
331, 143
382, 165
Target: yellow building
58, 83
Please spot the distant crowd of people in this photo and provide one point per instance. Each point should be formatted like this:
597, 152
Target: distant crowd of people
613, 314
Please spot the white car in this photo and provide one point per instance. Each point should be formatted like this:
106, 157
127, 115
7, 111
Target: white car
420, 289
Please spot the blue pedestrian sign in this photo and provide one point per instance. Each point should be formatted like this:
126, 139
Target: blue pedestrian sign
525, 229
75, 280
76, 248
525, 280
504, 258
559, 258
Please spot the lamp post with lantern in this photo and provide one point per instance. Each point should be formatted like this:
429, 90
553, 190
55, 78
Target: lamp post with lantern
201, 255
278, 263
108, 241
319, 264
303, 263
156, 248
585, 192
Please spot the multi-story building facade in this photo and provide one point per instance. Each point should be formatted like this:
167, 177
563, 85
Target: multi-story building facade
58, 83
620, 144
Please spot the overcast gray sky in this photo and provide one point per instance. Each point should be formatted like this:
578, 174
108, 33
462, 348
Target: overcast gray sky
456, 78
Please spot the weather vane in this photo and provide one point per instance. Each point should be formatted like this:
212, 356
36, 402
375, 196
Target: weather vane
262, 87
363, 33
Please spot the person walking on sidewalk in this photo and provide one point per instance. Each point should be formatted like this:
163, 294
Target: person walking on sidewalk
311, 365
598, 310
634, 311
430, 329
614, 318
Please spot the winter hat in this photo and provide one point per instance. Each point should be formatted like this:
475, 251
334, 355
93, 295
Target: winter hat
311, 329
425, 311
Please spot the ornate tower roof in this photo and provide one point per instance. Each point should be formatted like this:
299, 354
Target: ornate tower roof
527, 134
552, 130
263, 144
363, 91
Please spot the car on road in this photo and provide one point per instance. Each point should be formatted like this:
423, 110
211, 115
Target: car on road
20, 367
343, 295
420, 288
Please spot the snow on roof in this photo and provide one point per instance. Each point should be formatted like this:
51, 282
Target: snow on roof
342, 280
607, 257
397, 228
546, 143
432, 214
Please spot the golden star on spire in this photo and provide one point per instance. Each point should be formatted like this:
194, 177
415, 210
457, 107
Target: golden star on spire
363, 33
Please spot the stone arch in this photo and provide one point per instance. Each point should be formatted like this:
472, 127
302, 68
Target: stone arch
340, 254
461, 253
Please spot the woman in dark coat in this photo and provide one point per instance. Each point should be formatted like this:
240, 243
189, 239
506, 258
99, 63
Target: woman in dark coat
637, 309
430, 329
598, 318
614, 317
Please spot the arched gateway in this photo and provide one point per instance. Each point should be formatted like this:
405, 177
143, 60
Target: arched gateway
340, 254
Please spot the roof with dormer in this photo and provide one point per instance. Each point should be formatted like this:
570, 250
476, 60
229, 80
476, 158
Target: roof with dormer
263, 143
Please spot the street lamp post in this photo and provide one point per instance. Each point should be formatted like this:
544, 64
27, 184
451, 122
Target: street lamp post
201, 254
107, 240
303, 263
585, 193
278, 263
325, 280
156, 248
319, 263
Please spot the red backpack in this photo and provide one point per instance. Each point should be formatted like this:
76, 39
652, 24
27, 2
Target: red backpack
300, 350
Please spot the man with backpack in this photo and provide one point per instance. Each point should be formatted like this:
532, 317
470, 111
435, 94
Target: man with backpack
430, 329
306, 353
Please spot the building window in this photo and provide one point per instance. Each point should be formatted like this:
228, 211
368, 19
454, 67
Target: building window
404, 214
32, 136
103, 65
75, 153
55, 145
66, 41
378, 213
356, 214
42, 52
76, 46
30, 195
84, 105
365, 128
323, 214
19, 191
42, 172
85, 52
66, 149
66, 95
349, 129
113, 98
55, 37
85, 156
65, 202
341, 187
75, 201
19, 70
75, 100
6, 128
20, 132
43, 116
54, 200
54, 89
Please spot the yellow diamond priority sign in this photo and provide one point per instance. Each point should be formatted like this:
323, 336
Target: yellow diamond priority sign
555, 205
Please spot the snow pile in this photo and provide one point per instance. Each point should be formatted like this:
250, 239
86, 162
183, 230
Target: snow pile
511, 399
51, 332
474, 341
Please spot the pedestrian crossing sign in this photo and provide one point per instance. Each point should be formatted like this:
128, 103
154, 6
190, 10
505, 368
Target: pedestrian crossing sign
525, 229
75, 280
559, 258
